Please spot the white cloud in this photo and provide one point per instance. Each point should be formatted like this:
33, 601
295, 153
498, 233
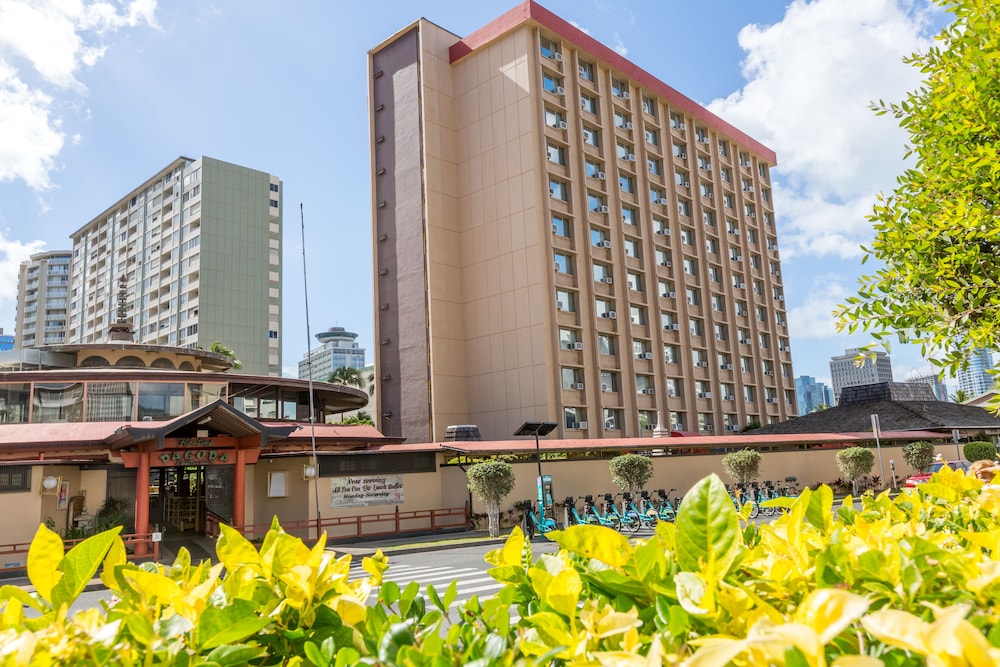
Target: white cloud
12, 253
810, 80
620, 46
43, 44
814, 318
579, 27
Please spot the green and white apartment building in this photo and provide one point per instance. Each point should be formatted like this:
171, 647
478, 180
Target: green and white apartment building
199, 246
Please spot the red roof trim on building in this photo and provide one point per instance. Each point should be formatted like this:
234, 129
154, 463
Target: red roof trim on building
530, 10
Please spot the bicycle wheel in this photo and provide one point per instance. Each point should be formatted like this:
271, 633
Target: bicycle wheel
632, 521
614, 522
529, 528
754, 509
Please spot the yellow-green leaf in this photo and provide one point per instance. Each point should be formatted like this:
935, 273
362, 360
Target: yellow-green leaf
598, 542
829, 611
44, 556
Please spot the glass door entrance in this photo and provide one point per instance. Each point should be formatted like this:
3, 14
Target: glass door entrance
178, 497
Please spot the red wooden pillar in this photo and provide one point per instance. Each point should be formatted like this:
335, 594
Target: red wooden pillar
239, 490
142, 502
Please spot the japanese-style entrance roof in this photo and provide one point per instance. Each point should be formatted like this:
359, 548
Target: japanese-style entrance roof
217, 418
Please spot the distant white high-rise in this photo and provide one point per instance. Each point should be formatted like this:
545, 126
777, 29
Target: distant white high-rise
339, 350
42, 290
845, 371
936, 384
975, 379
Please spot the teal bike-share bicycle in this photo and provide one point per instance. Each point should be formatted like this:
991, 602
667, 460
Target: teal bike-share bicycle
627, 519
645, 518
534, 522
573, 517
592, 515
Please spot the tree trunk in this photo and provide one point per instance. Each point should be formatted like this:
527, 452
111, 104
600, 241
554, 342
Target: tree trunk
493, 514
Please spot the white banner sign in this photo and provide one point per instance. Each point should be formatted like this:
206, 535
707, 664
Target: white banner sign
365, 491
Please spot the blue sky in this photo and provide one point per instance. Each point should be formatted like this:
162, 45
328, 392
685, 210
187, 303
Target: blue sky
96, 96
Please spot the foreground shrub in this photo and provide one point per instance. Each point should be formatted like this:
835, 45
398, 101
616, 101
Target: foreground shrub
919, 455
902, 581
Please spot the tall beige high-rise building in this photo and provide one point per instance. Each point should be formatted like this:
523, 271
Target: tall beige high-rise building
199, 244
42, 293
561, 236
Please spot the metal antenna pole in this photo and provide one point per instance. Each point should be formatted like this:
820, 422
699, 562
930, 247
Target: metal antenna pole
312, 411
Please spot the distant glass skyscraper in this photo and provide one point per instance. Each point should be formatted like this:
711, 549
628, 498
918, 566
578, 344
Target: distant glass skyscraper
339, 349
937, 385
974, 380
810, 394
6, 341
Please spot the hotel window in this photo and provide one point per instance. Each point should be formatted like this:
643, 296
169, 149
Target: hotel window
725, 361
606, 344
690, 266
555, 118
718, 303
732, 227
693, 296
673, 389
573, 417
738, 281
687, 236
557, 154
552, 83
550, 49
657, 196
671, 354
560, 226
768, 219
765, 194
637, 315
696, 327
568, 338
660, 227
558, 189
596, 203
566, 301
746, 365
758, 288
754, 261
727, 175
704, 163
643, 383
728, 391
623, 120
775, 268
762, 170
625, 152
668, 321
609, 381
602, 272
666, 288
727, 200
708, 218
712, 246
619, 88
703, 389
744, 336
632, 248
682, 179
634, 281
612, 419
676, 121
684, 207
679, 151
767, 367
701, 135
764, 340
571, 378
655, 166
630, 216
648, 419
652, 137
604, 307
783, 344
599, 237
705, 421
761, 313
589, 103
786, 371
734, 254
663, 258
706, 191
700, 357
744, 159
594, 169
586, 70
564, 263
640, 348
591, 136
627, 183
649, 106
723, 148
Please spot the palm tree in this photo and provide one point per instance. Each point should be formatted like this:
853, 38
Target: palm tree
960, 396
347, 376
219, 348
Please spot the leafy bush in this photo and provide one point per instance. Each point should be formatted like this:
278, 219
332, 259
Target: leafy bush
855, 462
743, 465
892, 584
919, 455
630, 472
980, 450
491, 482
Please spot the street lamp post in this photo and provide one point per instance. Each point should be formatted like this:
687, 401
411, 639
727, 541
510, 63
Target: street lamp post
537, 429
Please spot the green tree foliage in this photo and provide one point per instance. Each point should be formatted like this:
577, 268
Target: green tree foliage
937, 236
743, 465
630, 472
855, 462
219, 348
360, 418
347, 376
919, 455
491, 482
980, 450
810, 589
960, 396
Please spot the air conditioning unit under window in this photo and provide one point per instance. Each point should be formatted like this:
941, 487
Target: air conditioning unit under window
559, 90
627, 125
630, 157
557, 56
647, 355
732, 427
708, 427
670, 295
578, 385
768, 372
727, 367
608, 280
673, 327
600, 176
605, 388
582, 426
555, 228
648, 391
604, 244
602, 209
702, 363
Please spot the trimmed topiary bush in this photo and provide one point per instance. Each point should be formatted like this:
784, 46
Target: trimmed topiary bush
854, 463
743, 465
491, 482
919, 455
630, 472
979, 450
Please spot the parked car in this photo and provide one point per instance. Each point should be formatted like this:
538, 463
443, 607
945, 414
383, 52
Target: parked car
921, 477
